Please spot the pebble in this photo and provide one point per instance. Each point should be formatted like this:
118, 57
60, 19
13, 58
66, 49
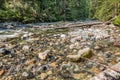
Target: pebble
2, 45
25, 74
63, 36
43, 55
76, 69
73, 40
107, 55
29, 62
31, 75
71, 46
25, 36
26, 48
4, 51
118, 60
77, 76
97, 47
117, 42
43, 76
89, 65
42, 68
28, 75
117, 53
2, 72
49, 73
53, 64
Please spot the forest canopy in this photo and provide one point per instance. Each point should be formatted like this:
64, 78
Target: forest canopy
59, 10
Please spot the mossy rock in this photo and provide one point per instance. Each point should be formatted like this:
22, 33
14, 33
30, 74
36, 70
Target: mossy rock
85, 53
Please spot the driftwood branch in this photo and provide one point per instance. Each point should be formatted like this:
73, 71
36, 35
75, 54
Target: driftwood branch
109, 21
79, 25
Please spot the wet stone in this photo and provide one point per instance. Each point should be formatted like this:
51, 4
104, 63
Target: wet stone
25, 74
117, 53
107, 55
84, 53
43, 76
4, 51
97, 47
28, 75
118, 60
117, 42
2, 72
43, 55
26, 48
76, 69
42, 68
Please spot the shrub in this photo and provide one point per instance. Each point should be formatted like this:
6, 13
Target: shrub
117, 21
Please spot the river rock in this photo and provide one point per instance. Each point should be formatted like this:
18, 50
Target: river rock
29, 62
2, 45
118, 59
43, 55
25, 36
26, 48
49, 73
63, 37
2, 72
43, 76
77, 76
117, 53
73, 40
117, 42
25, 74
71, 46
4, 51
85, 53
28, 75
32, 39
97, 47
76, 69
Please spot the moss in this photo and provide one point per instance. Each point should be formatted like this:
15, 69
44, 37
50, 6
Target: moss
117, 21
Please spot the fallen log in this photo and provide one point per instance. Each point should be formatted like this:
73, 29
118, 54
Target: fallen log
79, 25
112, 73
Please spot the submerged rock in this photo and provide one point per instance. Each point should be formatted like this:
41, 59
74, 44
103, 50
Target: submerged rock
85, 53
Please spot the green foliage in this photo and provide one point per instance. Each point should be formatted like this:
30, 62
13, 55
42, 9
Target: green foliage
43, 10
106, 9
58, 10
117, 21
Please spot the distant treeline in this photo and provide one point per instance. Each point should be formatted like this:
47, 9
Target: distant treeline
58, 10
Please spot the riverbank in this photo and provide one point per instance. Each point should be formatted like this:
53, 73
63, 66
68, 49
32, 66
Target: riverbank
43, 53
